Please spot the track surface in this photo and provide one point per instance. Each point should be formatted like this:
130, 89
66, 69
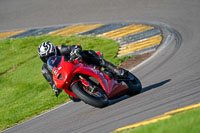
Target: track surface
171, 79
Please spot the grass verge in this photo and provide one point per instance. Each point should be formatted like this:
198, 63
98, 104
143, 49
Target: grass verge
24, 92
185, 122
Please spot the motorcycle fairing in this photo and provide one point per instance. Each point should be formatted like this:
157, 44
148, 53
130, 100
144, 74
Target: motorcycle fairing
65, 69
112, 88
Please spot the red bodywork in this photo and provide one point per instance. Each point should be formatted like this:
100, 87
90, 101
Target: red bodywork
68, 70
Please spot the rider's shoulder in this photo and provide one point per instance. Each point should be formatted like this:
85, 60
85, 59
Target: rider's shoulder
63, 49
62, 46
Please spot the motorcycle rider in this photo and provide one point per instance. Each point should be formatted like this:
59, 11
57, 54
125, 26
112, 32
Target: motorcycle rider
47, 49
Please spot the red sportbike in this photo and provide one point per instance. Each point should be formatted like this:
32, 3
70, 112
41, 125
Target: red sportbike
89, 83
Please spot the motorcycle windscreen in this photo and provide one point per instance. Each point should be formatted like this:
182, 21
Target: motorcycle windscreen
53, 61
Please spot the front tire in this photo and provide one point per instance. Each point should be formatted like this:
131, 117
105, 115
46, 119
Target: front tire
99, 102
74, 99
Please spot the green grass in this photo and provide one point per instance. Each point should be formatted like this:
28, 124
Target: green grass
185, 122
24, 92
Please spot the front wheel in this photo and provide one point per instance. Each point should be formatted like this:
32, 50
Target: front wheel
74, 99
135, 85
96, 98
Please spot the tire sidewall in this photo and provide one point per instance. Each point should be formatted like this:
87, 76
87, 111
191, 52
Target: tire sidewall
135, 85
87, 98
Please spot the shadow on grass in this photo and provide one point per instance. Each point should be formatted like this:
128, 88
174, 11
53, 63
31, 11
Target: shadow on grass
150, 87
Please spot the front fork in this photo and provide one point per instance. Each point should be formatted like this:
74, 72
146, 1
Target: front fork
87, 84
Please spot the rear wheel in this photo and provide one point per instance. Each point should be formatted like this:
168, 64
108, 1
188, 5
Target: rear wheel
134, 85
95, 97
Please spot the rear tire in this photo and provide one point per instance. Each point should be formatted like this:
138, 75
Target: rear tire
99, 102
135, 85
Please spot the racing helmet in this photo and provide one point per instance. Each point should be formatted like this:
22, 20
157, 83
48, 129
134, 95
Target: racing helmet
46, 50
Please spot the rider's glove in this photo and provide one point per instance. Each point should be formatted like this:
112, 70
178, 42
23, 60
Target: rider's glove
75, 52
56, 90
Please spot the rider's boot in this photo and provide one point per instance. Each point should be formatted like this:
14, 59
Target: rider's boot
120, 72
56, 90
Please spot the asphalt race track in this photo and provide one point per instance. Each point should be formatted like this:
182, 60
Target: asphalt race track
170, 78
